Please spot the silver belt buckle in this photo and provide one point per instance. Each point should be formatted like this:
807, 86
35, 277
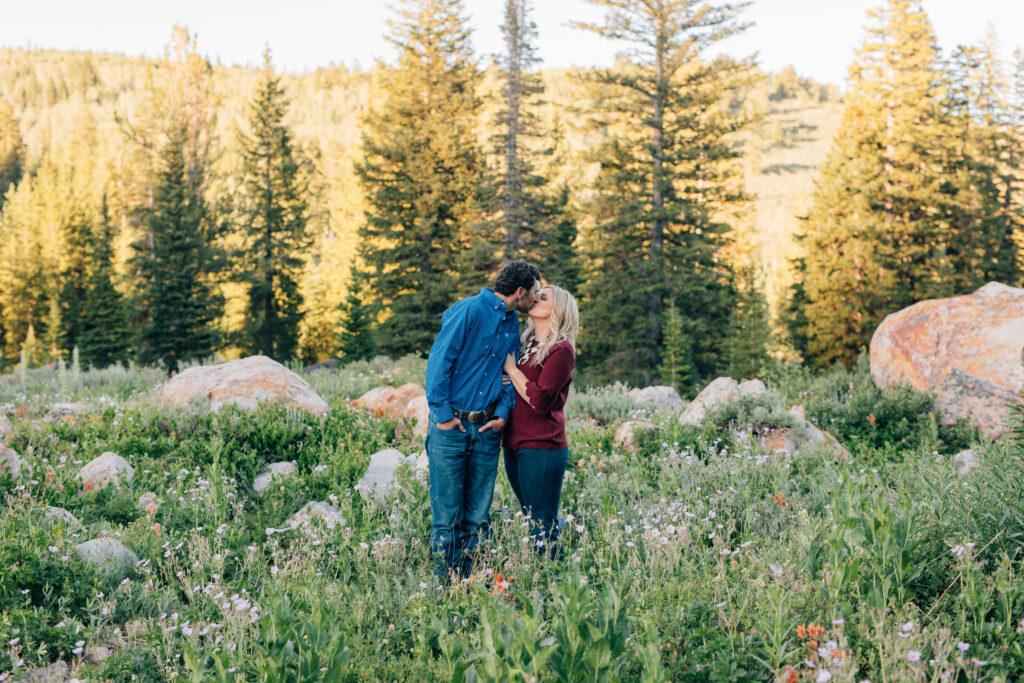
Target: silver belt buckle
476, 416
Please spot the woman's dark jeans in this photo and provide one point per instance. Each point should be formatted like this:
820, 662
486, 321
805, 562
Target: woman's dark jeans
536, 477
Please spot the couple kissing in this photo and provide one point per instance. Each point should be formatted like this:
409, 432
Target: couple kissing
487, 385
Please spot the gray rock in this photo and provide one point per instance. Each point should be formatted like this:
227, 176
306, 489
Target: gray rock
966, 461
57, 672
660, 397
380, 475
97, 653
275, 470
109, 468
625, 435
149, 498
62, 411
56, 515
331, 516
107, 553
10, 463
6, 426
422, 464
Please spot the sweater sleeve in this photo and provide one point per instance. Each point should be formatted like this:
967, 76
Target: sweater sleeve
554, 376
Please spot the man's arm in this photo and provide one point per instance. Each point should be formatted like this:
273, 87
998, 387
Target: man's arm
507, 401
443, 353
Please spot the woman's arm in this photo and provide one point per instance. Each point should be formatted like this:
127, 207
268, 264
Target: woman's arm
518, 378
554, 377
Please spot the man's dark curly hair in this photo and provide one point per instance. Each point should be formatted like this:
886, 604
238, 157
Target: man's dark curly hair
514, 275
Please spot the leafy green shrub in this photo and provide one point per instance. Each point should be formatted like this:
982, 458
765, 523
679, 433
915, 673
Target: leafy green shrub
603, 404
848, 405
758, 414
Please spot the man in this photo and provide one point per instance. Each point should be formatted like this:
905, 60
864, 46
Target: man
469, 406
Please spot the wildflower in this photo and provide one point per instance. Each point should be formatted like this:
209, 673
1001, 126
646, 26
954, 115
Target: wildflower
913, 656
838, 622
423, 585
957, 550
908, 627
823, 676
978, 662
872, 420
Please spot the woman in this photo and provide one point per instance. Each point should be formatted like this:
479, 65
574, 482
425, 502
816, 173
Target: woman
536, 450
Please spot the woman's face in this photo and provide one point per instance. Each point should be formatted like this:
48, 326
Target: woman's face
542, 307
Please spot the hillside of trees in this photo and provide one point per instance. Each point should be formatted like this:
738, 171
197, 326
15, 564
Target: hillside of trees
706, 214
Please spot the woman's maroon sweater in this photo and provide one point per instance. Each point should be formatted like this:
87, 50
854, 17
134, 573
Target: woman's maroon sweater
542, 425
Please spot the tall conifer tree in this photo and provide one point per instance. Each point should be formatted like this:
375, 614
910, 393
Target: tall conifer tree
422, 174
12, 150
103, 336
273, 224
878, 231
667, 175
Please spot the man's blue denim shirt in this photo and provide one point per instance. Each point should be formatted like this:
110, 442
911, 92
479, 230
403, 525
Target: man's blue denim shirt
464, 368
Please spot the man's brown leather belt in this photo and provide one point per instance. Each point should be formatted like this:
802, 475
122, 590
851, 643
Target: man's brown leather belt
474, 416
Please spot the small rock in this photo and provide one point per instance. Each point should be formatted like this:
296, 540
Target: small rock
6, 426
331, 515
148, 499
56, 515
275, 470
661, 397
380, 475
109, 468
62, 411
966, 461
803, 438
107, 553
719, 391
752, 387
57, 672
10, 463
625, 435
95, 654
393, 402
422, 464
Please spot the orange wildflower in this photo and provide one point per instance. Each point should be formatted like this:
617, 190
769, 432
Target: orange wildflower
801, 631
871, 420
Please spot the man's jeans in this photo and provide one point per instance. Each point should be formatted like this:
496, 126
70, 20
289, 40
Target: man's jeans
462, 469
536, 476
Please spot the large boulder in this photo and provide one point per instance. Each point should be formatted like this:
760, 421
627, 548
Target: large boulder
803, 438
57, 515
109, 468
6, 427
967, 349
331, 516
720, 391
10, 463
275, 470
380, 475
107, 553
660, 397
245, 383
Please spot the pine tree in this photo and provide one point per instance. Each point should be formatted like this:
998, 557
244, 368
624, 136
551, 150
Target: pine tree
273, 224
177, 255
177, 263
676, 369
422, 174
555, 252
103, 336
357, 338
878, 234
12, 150
78, 245
519, 189
750, 332
667, 177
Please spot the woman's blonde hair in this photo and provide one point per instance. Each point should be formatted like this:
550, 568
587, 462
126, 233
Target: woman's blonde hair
565, 324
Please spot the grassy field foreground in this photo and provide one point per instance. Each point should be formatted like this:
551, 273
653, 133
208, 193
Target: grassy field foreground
698, 557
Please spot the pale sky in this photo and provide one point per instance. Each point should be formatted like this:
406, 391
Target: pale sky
816, 36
